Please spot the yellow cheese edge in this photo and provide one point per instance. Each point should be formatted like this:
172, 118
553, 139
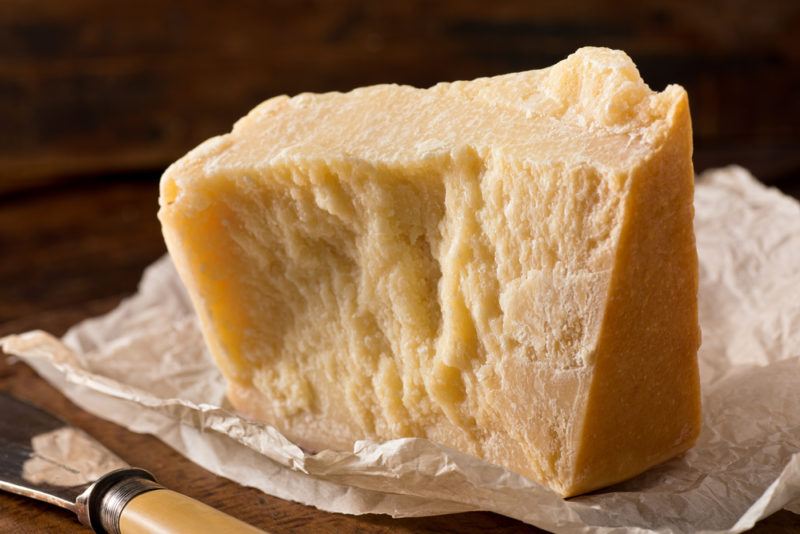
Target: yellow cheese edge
644, 402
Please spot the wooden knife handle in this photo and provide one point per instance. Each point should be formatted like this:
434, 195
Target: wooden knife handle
164, 511
130, 501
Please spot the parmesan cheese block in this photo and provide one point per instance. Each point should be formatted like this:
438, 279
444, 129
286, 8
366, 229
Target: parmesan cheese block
505, 266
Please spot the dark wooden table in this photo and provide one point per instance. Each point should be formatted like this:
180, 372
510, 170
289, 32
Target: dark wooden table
90, 91
73, 251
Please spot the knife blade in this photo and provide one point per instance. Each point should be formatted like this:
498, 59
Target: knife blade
43, 457
36, 450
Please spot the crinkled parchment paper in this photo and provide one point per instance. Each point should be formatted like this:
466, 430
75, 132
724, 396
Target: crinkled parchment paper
144, 366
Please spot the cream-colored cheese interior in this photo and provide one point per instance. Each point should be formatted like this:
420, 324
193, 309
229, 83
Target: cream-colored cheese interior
399, 262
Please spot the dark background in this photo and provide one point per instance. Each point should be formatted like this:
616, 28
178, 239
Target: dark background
92, 87
98, 97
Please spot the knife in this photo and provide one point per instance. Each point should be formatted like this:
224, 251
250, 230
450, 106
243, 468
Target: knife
44, 458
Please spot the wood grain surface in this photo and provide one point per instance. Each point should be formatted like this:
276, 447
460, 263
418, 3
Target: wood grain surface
74, 252
87, 89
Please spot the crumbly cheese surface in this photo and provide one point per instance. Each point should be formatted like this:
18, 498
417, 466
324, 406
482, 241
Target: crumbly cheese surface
505, 266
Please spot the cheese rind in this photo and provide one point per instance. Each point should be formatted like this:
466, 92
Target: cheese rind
505, 266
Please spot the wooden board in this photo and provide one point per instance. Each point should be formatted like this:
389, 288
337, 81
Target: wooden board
73, 252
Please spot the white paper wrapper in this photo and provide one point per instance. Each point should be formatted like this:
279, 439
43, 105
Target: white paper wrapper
144, 366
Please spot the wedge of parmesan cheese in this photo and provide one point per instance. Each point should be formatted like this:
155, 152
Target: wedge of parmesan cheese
505, 266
